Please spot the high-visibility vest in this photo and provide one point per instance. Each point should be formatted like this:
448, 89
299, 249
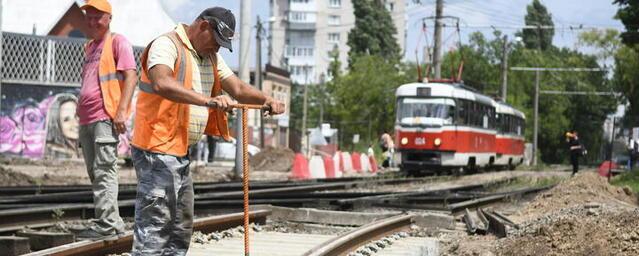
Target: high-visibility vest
161, 125
111, 82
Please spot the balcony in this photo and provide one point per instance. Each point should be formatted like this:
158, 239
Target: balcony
301, 20
303, 6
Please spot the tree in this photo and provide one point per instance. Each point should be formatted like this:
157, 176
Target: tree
628, 13
537, 15
557, 113
373, 33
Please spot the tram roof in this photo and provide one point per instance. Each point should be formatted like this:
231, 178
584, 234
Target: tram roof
449, 90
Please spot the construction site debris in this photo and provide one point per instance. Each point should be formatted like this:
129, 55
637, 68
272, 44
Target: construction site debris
273, 159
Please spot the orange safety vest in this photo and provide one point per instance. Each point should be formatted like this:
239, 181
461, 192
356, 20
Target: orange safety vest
161, 125
111, 82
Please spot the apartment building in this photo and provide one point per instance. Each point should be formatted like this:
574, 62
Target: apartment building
304, 32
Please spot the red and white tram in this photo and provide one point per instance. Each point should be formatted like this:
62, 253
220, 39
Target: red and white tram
449, 127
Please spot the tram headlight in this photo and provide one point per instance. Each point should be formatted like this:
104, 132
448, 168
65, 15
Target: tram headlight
437, 142
404, 141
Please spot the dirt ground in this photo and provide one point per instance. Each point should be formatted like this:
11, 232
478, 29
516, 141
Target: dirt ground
23, 172
582, 215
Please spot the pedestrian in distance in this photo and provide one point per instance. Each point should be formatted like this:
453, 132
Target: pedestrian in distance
108, 81
576, 150
181, 84
388, 148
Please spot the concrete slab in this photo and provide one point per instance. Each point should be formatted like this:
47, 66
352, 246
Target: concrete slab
14, 245
261, 244
326, 217
435, 221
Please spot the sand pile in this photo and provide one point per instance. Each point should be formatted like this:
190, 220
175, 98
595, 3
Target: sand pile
273, 160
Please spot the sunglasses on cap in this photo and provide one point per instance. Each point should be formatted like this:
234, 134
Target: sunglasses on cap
222, 29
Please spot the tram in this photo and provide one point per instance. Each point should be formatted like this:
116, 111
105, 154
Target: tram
448, 127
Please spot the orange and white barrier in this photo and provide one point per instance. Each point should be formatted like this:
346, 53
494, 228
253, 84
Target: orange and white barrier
348, 163
320, 167
300, 167
365, 163
373, 163
339, 165
357, 162
316, 167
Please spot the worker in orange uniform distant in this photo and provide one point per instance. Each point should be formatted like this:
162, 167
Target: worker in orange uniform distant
180, 99
108, 81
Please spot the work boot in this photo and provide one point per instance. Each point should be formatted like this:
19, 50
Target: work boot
91, 234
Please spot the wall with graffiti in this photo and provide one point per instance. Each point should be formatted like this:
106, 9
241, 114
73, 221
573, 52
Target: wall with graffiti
40, 122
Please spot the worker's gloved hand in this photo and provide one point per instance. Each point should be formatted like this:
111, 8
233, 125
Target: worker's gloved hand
275, 107
222, 102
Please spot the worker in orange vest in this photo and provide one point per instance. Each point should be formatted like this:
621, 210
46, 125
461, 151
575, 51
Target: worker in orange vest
108, 81
181, 97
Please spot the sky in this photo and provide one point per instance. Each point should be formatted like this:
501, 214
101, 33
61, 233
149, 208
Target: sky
475, 15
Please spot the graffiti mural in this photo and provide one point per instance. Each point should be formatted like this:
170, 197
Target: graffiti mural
41, 122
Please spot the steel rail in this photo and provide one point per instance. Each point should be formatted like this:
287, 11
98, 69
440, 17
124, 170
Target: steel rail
352, 240
123, 244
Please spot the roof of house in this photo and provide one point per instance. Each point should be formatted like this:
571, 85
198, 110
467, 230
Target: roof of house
138, 21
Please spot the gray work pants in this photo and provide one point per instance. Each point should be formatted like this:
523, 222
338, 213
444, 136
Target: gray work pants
163, 205
99, 143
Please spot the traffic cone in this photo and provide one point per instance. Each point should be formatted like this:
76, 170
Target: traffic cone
329, 167
357, 162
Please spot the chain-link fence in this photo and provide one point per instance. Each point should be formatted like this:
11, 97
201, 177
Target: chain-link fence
44, 60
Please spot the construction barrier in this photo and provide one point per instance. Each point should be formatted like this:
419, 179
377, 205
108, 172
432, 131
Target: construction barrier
329, 167
373, 163
316, 166
348, 163
338, 165
300, 167
356, 161
366, 165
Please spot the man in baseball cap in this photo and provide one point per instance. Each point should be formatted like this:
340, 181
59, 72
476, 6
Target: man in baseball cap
223, 23
108, 82
182, 85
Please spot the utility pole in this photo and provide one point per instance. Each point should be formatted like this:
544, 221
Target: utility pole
1, 63
258, 72
304, 113
538, 71
536, 118
438, 39
504, 71
245, 29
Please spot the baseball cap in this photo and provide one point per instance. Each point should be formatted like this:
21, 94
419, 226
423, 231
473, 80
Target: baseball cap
101, 5
222, 21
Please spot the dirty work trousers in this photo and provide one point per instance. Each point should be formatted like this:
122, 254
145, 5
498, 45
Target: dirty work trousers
163, 205
574, 160
99, 143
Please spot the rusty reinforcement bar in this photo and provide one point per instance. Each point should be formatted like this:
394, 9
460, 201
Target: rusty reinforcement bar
352, 240
123, 244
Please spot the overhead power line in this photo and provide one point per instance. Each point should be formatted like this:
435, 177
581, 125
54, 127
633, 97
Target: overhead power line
558, 69
579, 93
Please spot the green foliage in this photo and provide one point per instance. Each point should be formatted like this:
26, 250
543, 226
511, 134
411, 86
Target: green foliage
557, 113
537, 15
373, 33
626, 81
630, 179
628, 13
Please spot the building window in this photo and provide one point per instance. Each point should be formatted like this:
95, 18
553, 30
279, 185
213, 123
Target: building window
333, 38
298, 16
333, 20
300, 1
335, 3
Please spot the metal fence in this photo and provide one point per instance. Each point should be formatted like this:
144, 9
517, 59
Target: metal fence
44, 60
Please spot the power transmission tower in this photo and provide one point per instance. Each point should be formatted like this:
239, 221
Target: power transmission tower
437, 48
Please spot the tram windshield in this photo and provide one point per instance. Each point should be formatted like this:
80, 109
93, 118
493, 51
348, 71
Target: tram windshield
425, 112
